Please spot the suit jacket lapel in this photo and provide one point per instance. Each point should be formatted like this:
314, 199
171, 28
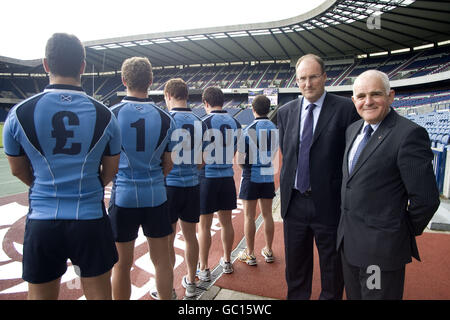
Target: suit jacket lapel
352, 135
294, 123
376, 139
326, 114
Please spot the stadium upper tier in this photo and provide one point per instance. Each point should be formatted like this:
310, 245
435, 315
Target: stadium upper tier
263, 75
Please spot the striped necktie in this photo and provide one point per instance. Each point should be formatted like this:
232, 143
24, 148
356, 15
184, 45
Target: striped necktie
303, 181
367, 133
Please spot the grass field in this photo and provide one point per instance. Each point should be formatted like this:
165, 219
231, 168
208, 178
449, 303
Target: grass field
1, 135
8, 183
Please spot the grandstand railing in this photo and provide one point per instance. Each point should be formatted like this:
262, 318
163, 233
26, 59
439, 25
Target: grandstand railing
446, 187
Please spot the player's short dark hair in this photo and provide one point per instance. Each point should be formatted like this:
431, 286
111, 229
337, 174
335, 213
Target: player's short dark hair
261, 105
65, 54
137, 73
177, 89
214, 96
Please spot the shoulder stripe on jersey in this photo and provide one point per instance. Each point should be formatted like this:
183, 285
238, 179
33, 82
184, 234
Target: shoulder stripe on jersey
252, 124
207, 121
165, 126
103, 117
25, 115
238, 124
116, 108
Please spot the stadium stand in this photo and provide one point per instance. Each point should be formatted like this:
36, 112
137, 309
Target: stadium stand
263, 75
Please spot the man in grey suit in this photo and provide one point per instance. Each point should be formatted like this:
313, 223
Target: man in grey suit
312, 142
389, 193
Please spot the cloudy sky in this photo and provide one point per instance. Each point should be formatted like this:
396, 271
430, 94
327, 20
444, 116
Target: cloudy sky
26, 25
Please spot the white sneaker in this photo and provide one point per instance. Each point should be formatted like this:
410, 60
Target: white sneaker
190, 287
247, 258
204, 275
268, 255
154, 294
227, 267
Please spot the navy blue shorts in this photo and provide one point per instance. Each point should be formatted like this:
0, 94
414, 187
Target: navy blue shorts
184, 203
125, 222
217, 194
252, 191
89, 244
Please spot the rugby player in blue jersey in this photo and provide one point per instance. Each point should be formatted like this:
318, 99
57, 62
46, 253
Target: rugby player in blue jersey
138, 197
217, 188
183, 191
65, 146
260, 142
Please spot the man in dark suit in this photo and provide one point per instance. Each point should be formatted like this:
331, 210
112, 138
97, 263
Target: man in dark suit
312, 141
389, 193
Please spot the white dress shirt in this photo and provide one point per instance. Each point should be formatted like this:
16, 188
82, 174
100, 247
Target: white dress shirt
358, 140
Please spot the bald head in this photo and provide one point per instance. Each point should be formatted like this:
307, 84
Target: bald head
370, 74
372, 96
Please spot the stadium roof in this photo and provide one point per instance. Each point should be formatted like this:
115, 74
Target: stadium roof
336, 29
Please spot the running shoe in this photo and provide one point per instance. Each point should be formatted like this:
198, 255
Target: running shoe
268, 255
190, 287
154, 294
227, 267
247, 258
204, 275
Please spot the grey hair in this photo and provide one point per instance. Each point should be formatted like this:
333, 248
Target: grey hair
381, 75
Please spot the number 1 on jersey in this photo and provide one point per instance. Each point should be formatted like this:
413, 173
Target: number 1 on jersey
140, 134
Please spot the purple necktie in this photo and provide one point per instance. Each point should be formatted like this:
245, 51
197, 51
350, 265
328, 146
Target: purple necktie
303, 154
367, 133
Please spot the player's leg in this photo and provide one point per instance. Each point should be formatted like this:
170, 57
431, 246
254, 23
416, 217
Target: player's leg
158, 228
121, 280
175, 200
44, 291
159, 255
204, 239
227, 233
125, 223
266, 209
192, 248
97, 288
171, 245
249, 224
227, 203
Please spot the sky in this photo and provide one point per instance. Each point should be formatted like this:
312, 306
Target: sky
25, 25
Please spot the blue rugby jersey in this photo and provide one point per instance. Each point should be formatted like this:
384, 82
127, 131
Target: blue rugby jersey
261, 143
64, 133
146, 131
222, 137
187, 148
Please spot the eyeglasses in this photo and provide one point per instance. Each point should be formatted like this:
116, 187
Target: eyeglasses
312, 78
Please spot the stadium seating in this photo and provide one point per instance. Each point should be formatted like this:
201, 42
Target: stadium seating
437, 125
263, 75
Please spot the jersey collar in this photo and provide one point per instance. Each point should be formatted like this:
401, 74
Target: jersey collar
52, 87
219, 111
134, 99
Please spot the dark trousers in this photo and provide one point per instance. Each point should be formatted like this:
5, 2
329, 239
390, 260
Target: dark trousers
300, 232
362, 284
